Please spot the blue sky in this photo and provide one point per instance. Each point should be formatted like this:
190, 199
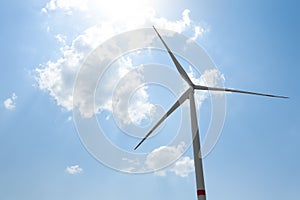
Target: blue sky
254, 44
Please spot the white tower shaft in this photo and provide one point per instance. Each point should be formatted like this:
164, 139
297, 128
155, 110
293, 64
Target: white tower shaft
197, 150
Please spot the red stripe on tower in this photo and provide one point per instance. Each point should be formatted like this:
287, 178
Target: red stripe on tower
200, 192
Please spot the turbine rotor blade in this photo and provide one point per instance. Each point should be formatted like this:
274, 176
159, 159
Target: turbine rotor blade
200, 87
176, 62
181, 99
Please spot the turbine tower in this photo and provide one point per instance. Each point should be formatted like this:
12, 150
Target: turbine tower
189, 94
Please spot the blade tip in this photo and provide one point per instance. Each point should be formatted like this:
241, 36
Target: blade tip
137, 146
283, 97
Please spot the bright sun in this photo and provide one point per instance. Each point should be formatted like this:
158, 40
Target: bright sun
121, 8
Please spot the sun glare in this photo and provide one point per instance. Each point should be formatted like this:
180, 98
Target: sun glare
122, 9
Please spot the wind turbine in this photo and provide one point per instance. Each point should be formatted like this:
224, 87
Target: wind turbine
189, 94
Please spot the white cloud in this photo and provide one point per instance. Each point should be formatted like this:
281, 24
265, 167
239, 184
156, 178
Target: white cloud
212, 78
75, 169
177, 26
67, 5
44, 10
183, 167
69, 119
58, 77
198, 31
164, 155
9, 103
163, 161
139, 107
167, 154
61, 38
